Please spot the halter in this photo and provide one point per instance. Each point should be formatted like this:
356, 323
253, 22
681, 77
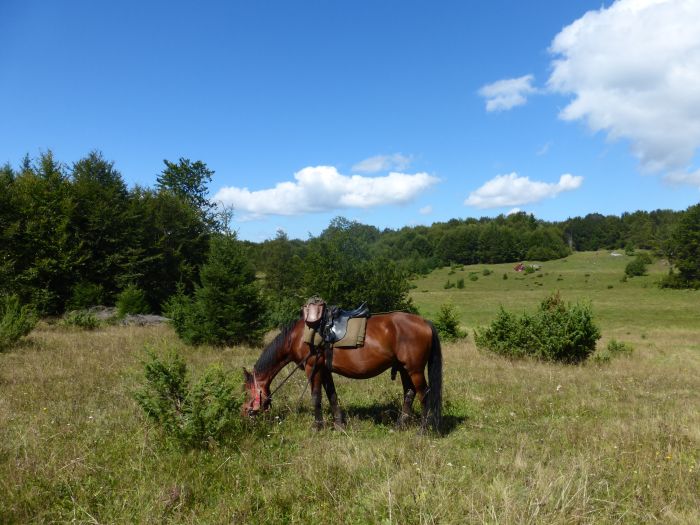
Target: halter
258, 390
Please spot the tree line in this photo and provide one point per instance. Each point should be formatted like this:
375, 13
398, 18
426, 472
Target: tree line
75, 235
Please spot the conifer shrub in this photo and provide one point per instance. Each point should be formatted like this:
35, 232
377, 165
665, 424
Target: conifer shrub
193, 415
460, 283
614, 349
228, 307
16, 321
81, 319
447, 323
557, 331
637, 266
486, 272
132, 301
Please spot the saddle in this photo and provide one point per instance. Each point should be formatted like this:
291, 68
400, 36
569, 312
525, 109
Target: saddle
327, 326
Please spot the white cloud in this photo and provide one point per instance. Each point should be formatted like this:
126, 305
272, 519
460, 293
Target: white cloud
426, 210
513, 211
396, 161
322, 188
634, 72
544, 149
507, 93
512, 190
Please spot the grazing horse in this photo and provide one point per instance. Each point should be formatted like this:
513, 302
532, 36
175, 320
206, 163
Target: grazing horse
404, 342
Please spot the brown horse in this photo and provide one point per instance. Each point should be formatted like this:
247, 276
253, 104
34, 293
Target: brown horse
406, 343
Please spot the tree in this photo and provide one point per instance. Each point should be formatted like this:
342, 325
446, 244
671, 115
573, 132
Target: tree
685, 250
189, 181
228, 307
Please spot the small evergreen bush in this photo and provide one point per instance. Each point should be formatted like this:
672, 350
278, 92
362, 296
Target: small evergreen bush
637, 266
556, 332
81, 319
447, 323
505, 276
486, 272
132, 301
193, 415
16, 321
473, 277
528, 270
614, 349
448, 285
460, 283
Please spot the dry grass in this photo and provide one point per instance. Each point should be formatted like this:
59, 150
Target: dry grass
525, 442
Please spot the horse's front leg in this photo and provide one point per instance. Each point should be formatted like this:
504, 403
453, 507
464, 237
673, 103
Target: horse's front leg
329, 386
316, 380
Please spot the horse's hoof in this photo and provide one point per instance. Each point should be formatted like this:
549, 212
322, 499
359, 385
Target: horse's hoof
317, 426
339, 425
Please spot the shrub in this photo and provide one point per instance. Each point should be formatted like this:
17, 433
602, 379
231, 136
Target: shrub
448, 285
614, 349
473, 277
16, 321
636, 267
132, 300
193, 416
84, 295
460, 283
81, 319
447, 323
505, 276
528, 270
556, 332
486, 272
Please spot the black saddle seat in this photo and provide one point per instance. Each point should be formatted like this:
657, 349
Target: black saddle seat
338, 323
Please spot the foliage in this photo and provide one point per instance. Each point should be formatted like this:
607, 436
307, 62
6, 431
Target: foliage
16, 321
197, 415
132, 300
228, 307
84, 295
684, 251
485, 272
447, 323
460, 283
555, 332
636, 267
81, 319
339, 267
614, 349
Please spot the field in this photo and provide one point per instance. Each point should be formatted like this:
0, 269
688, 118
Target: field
524, 442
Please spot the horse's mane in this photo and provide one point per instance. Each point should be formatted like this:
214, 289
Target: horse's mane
269, 356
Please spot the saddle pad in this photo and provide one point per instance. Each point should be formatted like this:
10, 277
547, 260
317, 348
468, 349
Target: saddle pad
355, 336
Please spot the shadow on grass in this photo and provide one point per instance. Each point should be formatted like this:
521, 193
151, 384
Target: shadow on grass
388, 413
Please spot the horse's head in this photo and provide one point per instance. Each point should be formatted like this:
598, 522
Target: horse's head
257, 395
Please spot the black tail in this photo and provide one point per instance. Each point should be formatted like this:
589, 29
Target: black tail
434, 397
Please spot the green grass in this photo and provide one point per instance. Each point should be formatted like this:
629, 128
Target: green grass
525, 442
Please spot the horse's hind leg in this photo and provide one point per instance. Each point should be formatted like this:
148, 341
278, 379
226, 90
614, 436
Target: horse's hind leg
329, 386
409, 394
421, 385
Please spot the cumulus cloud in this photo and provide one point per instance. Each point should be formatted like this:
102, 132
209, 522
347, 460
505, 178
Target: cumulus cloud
396, 161
507, 93
633, 69
512, 190
322, 188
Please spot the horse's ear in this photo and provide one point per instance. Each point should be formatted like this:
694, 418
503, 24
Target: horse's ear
247, 375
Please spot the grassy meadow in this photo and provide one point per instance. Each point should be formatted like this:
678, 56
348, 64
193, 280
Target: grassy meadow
524, 442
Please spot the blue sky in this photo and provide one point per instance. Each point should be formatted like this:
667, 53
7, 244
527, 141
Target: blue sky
390, 113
